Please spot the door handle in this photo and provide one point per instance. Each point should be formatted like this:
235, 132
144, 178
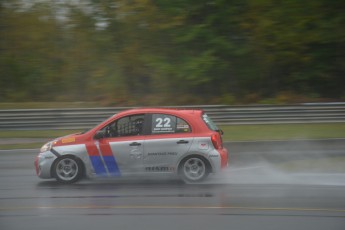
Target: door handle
134, 144
182, 142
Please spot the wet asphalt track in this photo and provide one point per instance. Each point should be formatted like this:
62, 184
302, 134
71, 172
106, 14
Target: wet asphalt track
251, 194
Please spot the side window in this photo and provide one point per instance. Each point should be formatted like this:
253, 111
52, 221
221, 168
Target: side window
126, 126
163, 123
182, 126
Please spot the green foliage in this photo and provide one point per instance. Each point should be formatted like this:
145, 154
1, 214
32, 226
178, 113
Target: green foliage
153, 52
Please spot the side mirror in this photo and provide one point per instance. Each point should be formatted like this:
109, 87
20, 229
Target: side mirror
220, 132
99, 135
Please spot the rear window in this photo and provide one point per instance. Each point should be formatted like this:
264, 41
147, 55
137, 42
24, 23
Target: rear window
210, 124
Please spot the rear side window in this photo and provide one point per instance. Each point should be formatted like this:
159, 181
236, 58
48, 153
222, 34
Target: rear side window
210, 124
163, 123
182, 126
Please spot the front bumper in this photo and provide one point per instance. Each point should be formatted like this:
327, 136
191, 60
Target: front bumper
43, 163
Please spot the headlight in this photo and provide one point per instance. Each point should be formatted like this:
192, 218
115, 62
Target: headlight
46, 147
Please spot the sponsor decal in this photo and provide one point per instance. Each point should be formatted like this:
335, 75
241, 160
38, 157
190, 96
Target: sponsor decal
159, 169
182, 126
214, 155
68, 140
163, 154
135, 154
203, 145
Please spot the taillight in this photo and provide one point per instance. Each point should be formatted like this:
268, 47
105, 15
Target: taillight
217, 141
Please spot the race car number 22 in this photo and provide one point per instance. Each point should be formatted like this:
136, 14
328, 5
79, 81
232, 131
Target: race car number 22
163, 124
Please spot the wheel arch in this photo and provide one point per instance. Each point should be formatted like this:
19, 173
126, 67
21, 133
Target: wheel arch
207, 162
82, 163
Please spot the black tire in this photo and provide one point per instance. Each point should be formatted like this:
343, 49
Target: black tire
68, 169
194, 169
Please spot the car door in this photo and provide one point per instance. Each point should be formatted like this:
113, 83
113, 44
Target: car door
125, 142
170, 138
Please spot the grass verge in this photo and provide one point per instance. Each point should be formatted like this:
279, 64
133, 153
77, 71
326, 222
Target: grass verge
283, 131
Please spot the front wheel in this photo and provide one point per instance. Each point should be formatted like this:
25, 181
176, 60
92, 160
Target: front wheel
193, 169
68, 169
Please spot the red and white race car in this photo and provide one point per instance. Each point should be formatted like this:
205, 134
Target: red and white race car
139, 141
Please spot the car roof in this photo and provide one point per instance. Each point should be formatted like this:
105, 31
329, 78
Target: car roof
175, 111
187, 114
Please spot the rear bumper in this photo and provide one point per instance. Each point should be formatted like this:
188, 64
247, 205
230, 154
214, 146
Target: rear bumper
224, 157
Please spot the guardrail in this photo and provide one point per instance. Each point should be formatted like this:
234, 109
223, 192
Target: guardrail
83, 118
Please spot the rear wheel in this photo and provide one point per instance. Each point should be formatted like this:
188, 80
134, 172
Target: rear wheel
194, 169
68, 169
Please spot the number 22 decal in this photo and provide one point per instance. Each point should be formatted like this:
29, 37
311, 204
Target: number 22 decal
163, 122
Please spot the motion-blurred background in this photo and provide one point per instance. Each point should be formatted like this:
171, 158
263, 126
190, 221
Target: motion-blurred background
158, 52
270, 73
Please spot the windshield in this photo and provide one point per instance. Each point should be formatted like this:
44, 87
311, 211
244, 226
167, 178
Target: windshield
211, 125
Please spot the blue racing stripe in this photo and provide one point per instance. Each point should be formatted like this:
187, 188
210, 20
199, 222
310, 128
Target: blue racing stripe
111, 164
98, 165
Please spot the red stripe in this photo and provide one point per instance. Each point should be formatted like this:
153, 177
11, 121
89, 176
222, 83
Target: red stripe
92, 149
105, 149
